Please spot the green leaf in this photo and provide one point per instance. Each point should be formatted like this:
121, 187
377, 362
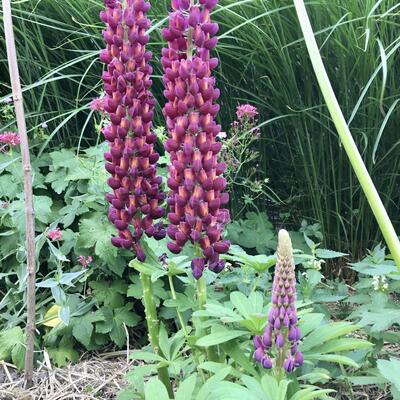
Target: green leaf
325, 253
327, 332
333, 358
186, 388
219, 336
390, 370
8, 340
82, 330
61, 356
234, 351
366, 268
146, 356
109, 294
18, 356
247, 305
311, 392
380, 321
155, 390
345, 344
310, 322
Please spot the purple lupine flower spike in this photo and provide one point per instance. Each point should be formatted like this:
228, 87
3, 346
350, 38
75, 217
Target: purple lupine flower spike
132, 160
281, 333
195, 178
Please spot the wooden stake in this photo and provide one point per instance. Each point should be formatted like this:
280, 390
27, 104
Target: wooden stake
27, 173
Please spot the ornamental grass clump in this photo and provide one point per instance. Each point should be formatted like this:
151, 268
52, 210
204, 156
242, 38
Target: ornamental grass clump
195, 178
278, 346
132, 160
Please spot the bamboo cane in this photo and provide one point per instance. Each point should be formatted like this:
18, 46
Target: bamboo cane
27, 173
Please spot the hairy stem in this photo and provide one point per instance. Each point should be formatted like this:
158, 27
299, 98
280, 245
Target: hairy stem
153, 328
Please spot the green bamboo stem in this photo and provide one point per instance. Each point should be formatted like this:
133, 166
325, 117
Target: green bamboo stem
153, 328
349, 144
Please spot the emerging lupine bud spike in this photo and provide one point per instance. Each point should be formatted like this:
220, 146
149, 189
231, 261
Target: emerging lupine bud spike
195, 175
129, 104
282, 330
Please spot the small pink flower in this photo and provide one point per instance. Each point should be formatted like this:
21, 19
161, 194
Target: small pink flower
85, 261
222, 135
246, 111
97, 104
10, 138
54, 234
4, 205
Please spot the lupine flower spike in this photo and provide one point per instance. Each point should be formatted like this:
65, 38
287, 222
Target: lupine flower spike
195, 176
132, 160
282, 335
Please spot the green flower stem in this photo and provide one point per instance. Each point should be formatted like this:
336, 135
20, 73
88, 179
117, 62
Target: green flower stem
349, 144
153, 328
183, 326
173, 295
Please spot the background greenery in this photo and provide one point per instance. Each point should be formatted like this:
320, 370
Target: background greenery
263, 62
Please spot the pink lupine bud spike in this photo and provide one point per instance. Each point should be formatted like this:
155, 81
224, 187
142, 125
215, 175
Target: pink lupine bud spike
282, 326
130, 105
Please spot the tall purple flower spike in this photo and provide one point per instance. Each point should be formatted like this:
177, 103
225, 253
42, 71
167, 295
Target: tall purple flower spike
132, 160
282, 333
195, 176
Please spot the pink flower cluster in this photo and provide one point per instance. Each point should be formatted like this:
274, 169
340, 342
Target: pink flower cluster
195, 174
246, 111
10, 138
132, 160
85, 261
97, 104
54, 234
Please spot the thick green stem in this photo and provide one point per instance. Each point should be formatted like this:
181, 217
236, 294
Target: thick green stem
153, 328
349, 144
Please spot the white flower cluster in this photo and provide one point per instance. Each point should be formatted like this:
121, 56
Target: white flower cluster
379, 284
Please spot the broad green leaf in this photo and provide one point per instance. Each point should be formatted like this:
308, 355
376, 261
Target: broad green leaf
310, 322
146, 356
8, 339
206, 389
155, 390
367, 268
380, 321
186, 388
333, 358
311, 393
82, 330
327, 332
344, 344
325, 253
218, 337
233, 349
390, 370
18, 355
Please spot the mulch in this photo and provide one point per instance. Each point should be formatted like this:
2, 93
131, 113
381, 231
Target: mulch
94, 378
